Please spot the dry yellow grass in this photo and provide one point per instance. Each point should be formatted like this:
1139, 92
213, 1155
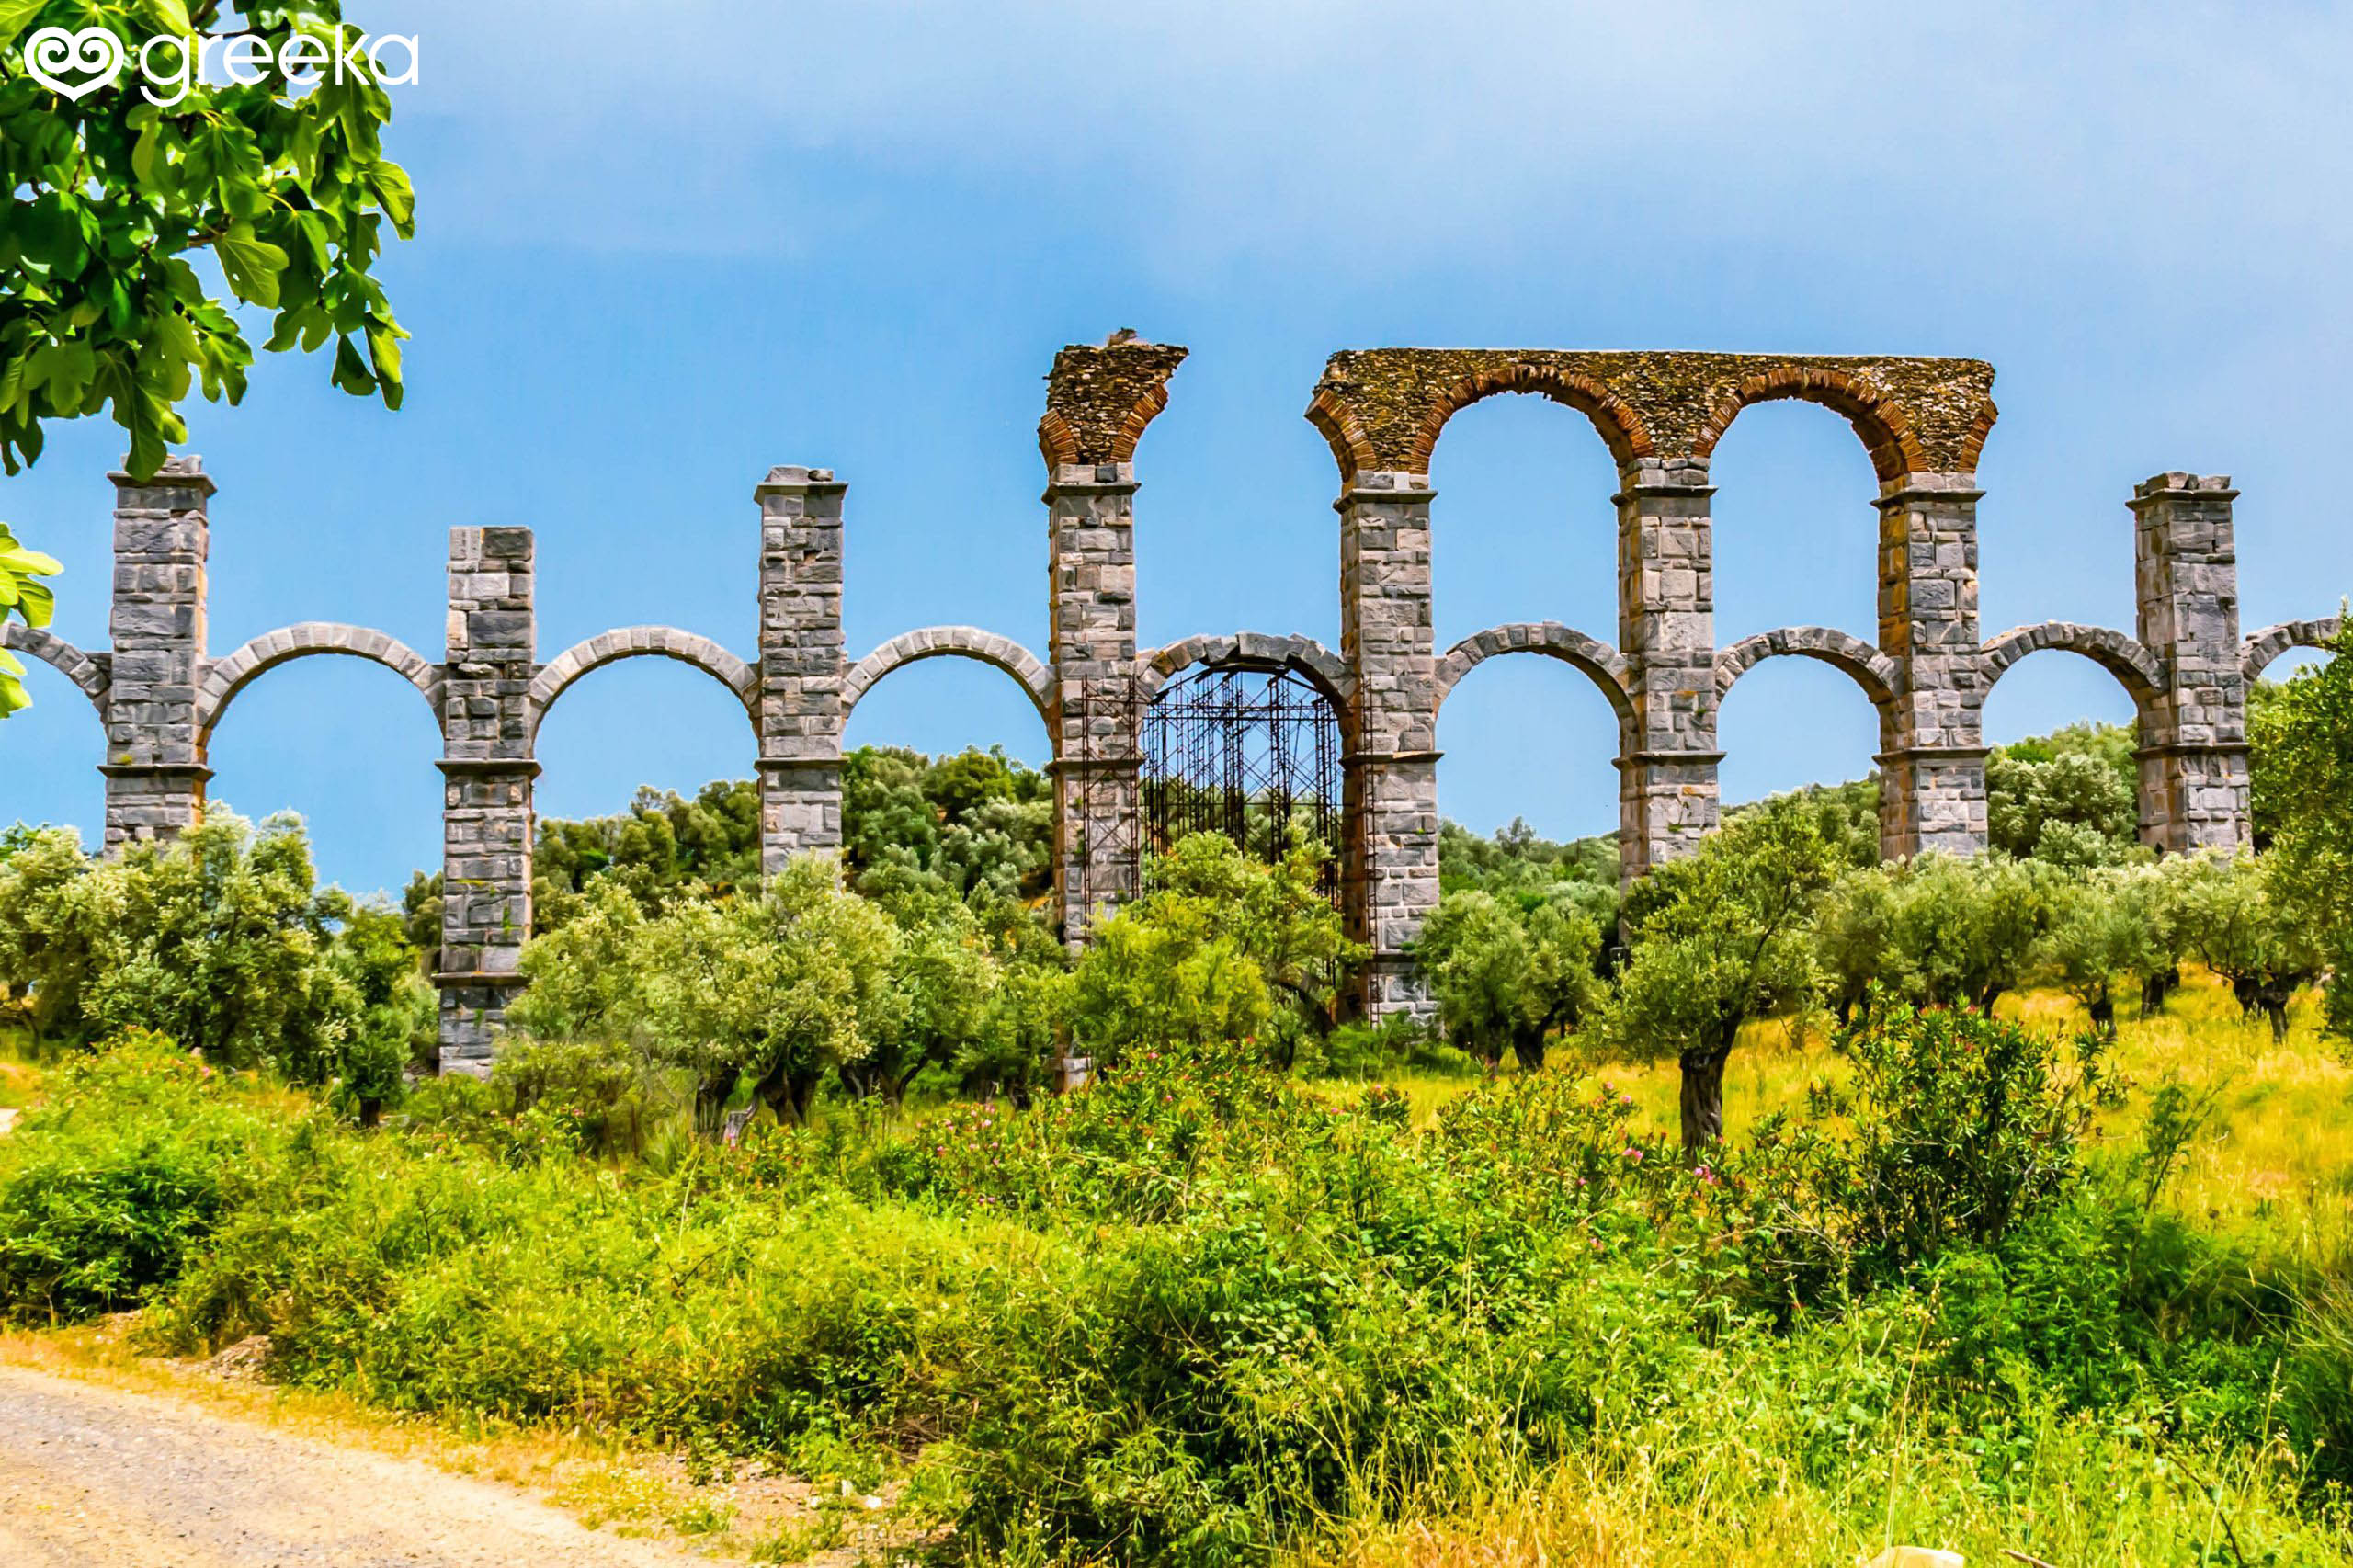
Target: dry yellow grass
1755, 1507
2272, 1154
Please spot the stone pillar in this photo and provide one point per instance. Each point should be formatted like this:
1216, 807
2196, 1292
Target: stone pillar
800, 663
486, 819
1391, 879
155, 764
1099, 398
1932, 764
2193, 731
1090, 522
1667, 629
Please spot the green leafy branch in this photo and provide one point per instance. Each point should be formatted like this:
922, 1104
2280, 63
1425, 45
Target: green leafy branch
21, 595
111, 196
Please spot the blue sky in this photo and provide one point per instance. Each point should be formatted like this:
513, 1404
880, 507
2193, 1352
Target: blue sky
663, 247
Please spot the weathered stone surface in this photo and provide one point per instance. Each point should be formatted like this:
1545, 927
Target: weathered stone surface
1600, 662
1932, 766
1390, 772
1383, 409
1099, 398
1098, 402
1667, 629
2193, 730
154, 764
1878, 676
1248, 650
487, 820
799, 703
89, 672
2134, 667
1092, 617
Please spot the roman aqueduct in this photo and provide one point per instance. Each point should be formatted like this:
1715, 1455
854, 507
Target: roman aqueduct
2186, 666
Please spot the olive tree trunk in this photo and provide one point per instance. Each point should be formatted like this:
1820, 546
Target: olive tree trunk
1703, 1095
711, 1096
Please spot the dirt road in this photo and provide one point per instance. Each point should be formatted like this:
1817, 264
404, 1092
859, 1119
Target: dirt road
93, 1477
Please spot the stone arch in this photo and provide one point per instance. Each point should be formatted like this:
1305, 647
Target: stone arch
640, 641
1302, 656
1882, 423
1601, 662
1618, 425
2260, 648
224, 677
1869, 667
956, 642
89, 672
2134, 667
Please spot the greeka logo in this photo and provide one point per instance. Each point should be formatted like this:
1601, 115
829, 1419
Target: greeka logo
94, 54
76, 64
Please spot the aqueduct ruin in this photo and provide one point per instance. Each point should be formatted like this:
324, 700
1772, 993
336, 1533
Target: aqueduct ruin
160, 694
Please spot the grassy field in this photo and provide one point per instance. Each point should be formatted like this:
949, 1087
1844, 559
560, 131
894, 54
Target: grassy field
2274, 1156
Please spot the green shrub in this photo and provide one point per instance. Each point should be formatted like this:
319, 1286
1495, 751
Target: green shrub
104, 1193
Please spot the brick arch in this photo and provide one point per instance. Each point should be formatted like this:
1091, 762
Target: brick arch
1061, 445
1302, 656
1867, 666
1883, 422
1601, 662
224, 677
2260, 648
1616, 422
1101, 397
635, 642
87, 671
2139, 671
953, 643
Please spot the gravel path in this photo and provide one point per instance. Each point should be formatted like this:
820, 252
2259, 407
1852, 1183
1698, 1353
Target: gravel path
93, 1477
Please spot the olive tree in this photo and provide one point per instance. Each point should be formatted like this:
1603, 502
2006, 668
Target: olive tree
1855, 941
1506, 976
2236, 922
942, 982
776, 991
1224, 949
220, 940
1968, 928
2094, 931
46, 945
2302, 741
1718, 938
